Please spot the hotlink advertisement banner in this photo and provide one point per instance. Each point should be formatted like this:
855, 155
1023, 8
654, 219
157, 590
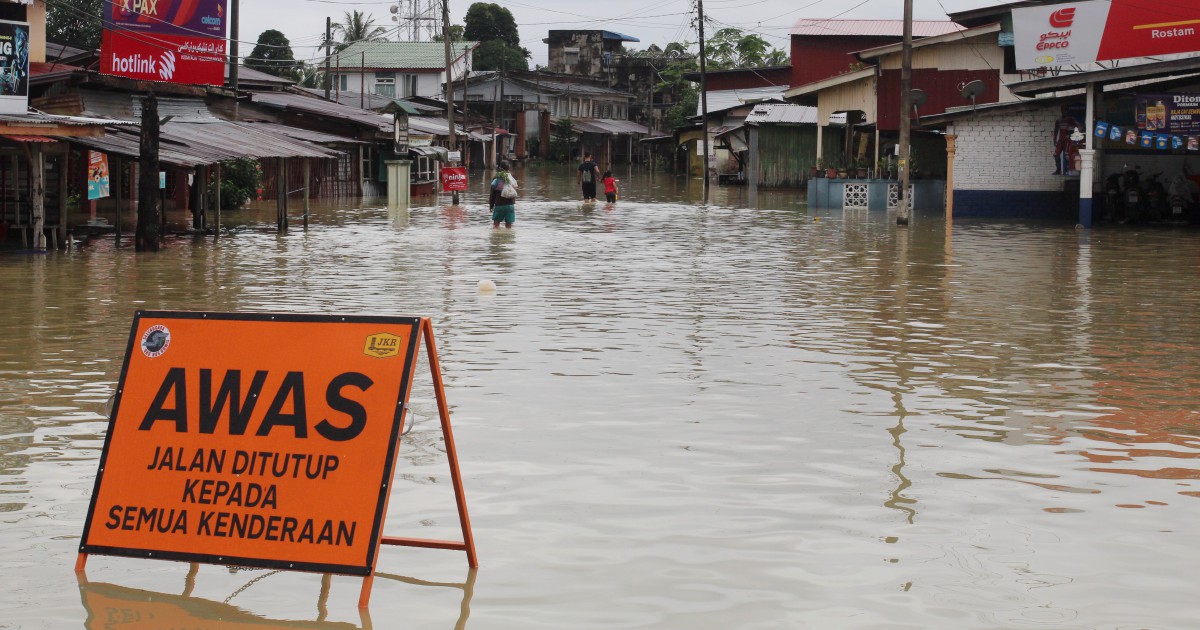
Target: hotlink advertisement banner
174, 41
14, 67
1080, 33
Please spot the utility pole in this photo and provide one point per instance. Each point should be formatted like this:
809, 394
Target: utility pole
902, 213
328, 55
450, 86
704, 98
233, 45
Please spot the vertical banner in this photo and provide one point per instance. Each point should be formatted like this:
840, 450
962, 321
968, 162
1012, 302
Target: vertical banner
14, 67
97, 175
233, 442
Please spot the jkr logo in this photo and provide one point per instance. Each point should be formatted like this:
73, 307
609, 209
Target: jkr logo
1062, 18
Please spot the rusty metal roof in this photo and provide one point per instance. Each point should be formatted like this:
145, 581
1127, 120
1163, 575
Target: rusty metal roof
872, 28
601, 125
188, 144
305, 135
300, 103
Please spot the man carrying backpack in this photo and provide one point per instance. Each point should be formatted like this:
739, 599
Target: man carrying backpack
588, 174
503, 200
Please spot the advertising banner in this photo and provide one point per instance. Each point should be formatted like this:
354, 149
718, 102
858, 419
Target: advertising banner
454, 178
14, 67
168, 17
1103, 30
97, 175
232, 441
1169, 113
192, 59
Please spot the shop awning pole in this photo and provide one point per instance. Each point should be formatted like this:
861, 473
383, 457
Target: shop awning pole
1086, 158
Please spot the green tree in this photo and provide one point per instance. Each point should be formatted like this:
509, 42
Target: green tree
487, 21
562, 140
273, 54
356, 27
496, 55
240, 181
75, 22
495, 26
456, 34
732, 48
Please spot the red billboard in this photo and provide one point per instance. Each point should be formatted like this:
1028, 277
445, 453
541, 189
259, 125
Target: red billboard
1103, 30
192, 59
171, 17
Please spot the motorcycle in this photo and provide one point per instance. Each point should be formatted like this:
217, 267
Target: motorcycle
1179, 197
1131, 192
1112, 198
1156, 198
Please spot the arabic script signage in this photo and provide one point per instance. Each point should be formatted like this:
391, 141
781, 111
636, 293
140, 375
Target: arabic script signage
1103, 30
192, 59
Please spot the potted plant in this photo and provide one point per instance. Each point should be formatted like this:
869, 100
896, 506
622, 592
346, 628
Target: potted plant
842, 171
818, 170
831, 171
862, 168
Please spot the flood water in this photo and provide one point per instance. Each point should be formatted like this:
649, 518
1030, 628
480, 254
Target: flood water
672, 415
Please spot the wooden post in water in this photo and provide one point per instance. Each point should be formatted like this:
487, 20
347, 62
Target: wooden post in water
37, 181
118, 177
307, 182
148, 231
217, 209
63, 210
281, 196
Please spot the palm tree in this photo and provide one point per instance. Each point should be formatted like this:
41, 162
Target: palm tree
356, 27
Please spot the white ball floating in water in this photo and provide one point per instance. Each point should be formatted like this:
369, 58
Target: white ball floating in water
487, 286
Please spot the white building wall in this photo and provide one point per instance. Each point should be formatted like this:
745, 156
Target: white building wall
1007, 151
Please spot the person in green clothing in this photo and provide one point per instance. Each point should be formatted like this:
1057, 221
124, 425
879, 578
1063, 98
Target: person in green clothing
504, 208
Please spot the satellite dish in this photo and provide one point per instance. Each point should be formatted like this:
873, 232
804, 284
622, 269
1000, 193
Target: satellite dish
919, 98
973, 90
394, 9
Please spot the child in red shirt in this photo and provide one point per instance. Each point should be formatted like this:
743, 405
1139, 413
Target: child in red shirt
610, 187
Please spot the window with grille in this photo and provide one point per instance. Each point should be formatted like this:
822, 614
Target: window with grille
385, 84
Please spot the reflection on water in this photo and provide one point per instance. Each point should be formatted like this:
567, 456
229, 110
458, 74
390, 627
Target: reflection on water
678, 415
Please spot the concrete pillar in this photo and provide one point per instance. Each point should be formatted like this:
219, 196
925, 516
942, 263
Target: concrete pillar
1087, 158
820, 143
951, 139
399, 182
521, 122
544, 133
62, 201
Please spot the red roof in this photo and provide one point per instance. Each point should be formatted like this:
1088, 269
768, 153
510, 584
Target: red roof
873, 28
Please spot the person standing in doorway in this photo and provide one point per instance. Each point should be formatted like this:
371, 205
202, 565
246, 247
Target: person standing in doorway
503, 200
587, 176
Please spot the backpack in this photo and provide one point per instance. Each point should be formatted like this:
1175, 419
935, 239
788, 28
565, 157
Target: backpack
588, 173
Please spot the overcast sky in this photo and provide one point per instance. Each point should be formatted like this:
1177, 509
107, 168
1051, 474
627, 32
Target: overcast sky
651, 21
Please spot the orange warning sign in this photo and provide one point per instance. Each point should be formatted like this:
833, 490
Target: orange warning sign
256, 440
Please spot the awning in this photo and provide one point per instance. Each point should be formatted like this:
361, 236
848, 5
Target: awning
196, 144
437, 153
604, 125
29, 138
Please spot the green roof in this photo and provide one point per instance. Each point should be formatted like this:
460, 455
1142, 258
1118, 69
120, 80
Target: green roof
400, 55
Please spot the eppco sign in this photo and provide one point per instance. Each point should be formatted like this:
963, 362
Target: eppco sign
168, 58
1103, 30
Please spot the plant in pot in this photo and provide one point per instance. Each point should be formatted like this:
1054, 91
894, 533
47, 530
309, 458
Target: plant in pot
831, 171
842, 171
818, 170
862, 168
882, 169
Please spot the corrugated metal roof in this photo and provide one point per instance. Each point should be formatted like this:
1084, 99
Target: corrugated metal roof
38, 118
721, 100
304, 135
256, 76
602, 125
29, 138
780, 113
872, 28
320, 107
400, 55
126, 106
193, 144
369, 101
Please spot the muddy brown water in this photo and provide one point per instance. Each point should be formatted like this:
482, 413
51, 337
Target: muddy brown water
742, 414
